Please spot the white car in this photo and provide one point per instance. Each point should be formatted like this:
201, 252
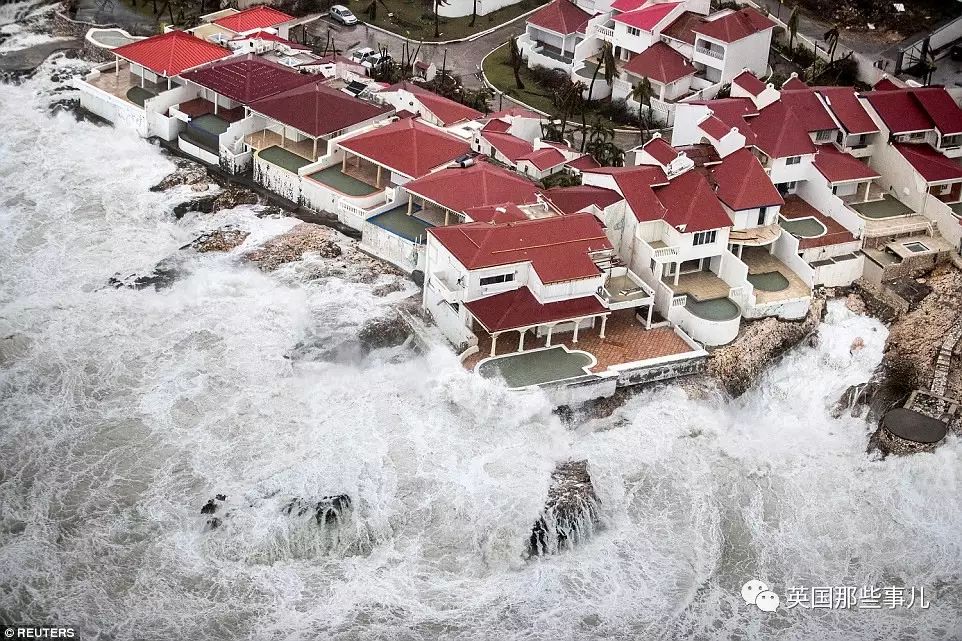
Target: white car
361, 55
342, 14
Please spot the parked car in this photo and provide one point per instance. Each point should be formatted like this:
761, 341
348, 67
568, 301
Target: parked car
361, 55
342, 14
376, 60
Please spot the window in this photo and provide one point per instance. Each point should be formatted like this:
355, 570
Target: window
500, 278
632, 31
825, 134
945, 189
705, 237
916, 135
793, 160
787, 188
951, 141
762, 215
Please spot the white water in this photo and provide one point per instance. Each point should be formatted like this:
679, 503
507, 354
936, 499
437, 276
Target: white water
122, 412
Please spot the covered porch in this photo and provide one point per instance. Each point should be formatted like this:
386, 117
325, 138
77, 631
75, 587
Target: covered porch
119, 81
308, 148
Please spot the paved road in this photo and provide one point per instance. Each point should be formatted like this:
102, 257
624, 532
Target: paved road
463, 58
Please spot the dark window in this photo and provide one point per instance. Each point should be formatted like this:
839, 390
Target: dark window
762, 214
705, 237
501, 278
793, 160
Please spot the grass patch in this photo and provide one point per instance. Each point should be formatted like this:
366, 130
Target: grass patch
414, 18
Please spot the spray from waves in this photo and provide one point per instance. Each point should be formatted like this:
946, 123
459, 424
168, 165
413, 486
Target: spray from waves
124, 411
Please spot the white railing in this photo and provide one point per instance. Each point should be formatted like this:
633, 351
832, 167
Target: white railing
679, 301
711, 53
665, 252
446, 290
606, 33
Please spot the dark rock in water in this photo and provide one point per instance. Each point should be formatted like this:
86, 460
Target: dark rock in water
186, 173
209, 508
163, 275
418, 277
68, 105
218, 240
383, 332
221, 497
571, 512
213, 524
330, 510
204, 205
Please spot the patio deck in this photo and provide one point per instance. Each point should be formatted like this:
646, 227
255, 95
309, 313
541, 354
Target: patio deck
626, 341
760, 262
199, 107
119, 83
267, 138
344, 183
702, 285
887, 207
810, 226
398, 222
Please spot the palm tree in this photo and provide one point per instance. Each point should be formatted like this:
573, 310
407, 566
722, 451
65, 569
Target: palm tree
474, 13
831, 41
606, 59
792, 31
642, 93
437, 17
568, 99
515, 60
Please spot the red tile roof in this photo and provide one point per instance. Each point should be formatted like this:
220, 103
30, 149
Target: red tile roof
794, 83
171, 53
917, 109
837, 166
544, 158
248, 78
500, 213
735, 26
558, 247
317, 110
627, 5
511, 147
747, 81
779, 132
810, 111
584, 162
478, 185
742, 182
253, 18
690, 204
519, 308
659, 149
408, 147
716, 128
271, 37
574, 199
499, 126
931, 165
681, 28
560, 16
843, 102
730, 112
702, 154
885, 84
646, 18
660, 63
447, 111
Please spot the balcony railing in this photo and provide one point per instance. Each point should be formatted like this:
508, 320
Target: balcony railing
450, 292
665, 252
606, 33
711, 53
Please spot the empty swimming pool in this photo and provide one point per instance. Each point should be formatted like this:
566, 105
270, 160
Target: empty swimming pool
713, 309
768, 281
537, 367
807, 227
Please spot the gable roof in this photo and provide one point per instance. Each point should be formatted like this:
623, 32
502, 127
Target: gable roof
941, 109
519, 308
779, 132
171, 53
500, 213
837, 166
574, 199
729, 113
690, 204
844, 104
544, 158
253, 18
681, 27
316, 109
931, 165
659, 149
512, 147
917, 109
742, 183
444, 109
408, 147
248, 78
735, 25
646, 18
749, 82
479, 185
557, 247
809, 110
661, 63
271, 37
560, 16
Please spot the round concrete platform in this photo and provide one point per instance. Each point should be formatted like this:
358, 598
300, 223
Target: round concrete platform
912, 426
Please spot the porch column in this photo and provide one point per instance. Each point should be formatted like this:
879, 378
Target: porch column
168, 83
446, 212
344, 163
377, 181
604, 321
740, 248
117, 65
651, 309
575, 338
548, 342
283, 135
494, 342
215, 104
677, 272
771, 249
410, 204
315, 148
868, 186
143, 77
521, 340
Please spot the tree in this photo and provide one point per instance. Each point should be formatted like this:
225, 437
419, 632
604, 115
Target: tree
792, 30
606, 60
601, 145
568, 99
642, 93
515, 60
437, 16
474, 13
831, 41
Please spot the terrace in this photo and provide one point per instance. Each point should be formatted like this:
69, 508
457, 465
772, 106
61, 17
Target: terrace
283, 158
118, 81
772, 279
810, 226
400, 223
348, 183
307, 149
889, 215
703, 285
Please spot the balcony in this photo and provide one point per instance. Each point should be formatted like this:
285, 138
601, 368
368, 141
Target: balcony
623, 289
605, 32
661, 251
711, 53
448, 288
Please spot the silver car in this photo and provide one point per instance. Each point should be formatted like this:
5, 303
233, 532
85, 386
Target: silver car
342, 14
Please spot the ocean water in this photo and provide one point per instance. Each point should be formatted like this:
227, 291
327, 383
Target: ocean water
122, 412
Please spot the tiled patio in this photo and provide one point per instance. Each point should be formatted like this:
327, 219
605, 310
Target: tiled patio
626, 341
797, 209
702, 285
267, 138
119, 83
759, 261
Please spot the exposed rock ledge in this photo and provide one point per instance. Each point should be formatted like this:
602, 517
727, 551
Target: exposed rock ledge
292, 246
571, 512
738, 365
